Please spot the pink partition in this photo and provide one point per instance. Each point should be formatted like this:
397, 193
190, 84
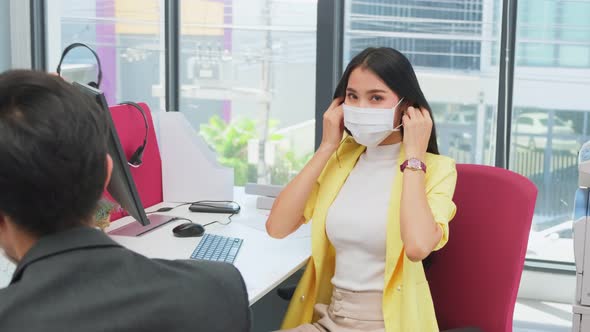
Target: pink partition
131, 130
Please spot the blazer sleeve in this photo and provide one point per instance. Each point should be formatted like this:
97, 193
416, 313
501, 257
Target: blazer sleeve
440, 197
230, 294
311, 201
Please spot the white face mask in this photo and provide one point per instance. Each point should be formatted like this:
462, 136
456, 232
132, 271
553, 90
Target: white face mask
370, 126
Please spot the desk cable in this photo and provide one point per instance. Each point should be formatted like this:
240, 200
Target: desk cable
202, 203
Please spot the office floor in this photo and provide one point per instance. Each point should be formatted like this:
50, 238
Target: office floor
537, 316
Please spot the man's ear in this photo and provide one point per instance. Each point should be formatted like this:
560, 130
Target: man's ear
2, 220
109, 171
4, 230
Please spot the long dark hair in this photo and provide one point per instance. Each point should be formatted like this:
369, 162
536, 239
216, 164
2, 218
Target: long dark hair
397, 72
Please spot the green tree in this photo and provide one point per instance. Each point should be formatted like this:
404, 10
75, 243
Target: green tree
230, 141
287, 166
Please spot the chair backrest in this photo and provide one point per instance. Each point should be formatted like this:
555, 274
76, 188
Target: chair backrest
131, 130
474, 279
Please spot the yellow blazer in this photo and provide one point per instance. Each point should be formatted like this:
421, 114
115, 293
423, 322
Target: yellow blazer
407, 303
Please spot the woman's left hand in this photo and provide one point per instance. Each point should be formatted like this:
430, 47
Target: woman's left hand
417, 129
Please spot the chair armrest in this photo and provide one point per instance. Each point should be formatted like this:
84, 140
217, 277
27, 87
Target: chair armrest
286, 292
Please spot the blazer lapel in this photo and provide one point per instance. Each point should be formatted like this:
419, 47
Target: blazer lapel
394, 245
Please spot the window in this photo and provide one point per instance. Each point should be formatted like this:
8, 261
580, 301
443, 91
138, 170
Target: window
247, 75
247, 71
451, 46
526, 121
553, 33
5, 47
552, 36
535, 19
416, 27
126, 34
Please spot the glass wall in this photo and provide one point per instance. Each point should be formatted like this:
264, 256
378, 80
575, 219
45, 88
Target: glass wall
5, 47
550, 114
247, 71
127, 35
247, 74
247, 79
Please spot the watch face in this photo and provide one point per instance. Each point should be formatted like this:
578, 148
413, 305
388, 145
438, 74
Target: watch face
415, 164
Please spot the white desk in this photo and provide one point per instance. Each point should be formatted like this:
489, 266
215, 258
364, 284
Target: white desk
263, 261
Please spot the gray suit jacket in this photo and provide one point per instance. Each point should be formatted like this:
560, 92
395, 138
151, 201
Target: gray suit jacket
80, 280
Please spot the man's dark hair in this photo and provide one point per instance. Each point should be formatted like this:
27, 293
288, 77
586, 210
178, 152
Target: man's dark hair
53, 148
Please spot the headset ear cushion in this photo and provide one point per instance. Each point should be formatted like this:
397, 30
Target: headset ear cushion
136, 158
93, 84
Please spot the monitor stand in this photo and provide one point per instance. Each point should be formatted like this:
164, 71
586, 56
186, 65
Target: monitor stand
137, 229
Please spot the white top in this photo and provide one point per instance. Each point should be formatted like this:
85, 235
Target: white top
357, 220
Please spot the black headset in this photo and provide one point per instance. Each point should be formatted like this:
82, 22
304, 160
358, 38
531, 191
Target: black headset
70, 47
135, 160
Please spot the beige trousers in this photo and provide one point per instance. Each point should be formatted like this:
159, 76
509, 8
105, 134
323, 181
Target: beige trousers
348, 312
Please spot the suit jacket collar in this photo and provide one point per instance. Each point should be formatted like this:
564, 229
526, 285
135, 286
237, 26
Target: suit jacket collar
78, 238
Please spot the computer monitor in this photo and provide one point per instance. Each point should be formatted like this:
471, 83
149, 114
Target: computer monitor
79, 72
122, 187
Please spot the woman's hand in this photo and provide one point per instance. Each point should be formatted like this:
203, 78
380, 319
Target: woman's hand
333, 127
417, 129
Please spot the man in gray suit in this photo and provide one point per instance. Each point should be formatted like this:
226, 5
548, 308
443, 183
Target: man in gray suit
54, 167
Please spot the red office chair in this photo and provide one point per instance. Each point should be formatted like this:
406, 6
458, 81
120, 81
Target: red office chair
131, 131
474, 279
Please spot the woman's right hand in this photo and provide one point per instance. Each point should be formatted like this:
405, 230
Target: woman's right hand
333, 128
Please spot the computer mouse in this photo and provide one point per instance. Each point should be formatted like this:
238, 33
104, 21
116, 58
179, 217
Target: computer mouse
188, 230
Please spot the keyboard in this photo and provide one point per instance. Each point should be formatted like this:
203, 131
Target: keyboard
217, 248
6, 270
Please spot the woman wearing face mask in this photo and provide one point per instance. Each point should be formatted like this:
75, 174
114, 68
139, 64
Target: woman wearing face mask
380, 201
